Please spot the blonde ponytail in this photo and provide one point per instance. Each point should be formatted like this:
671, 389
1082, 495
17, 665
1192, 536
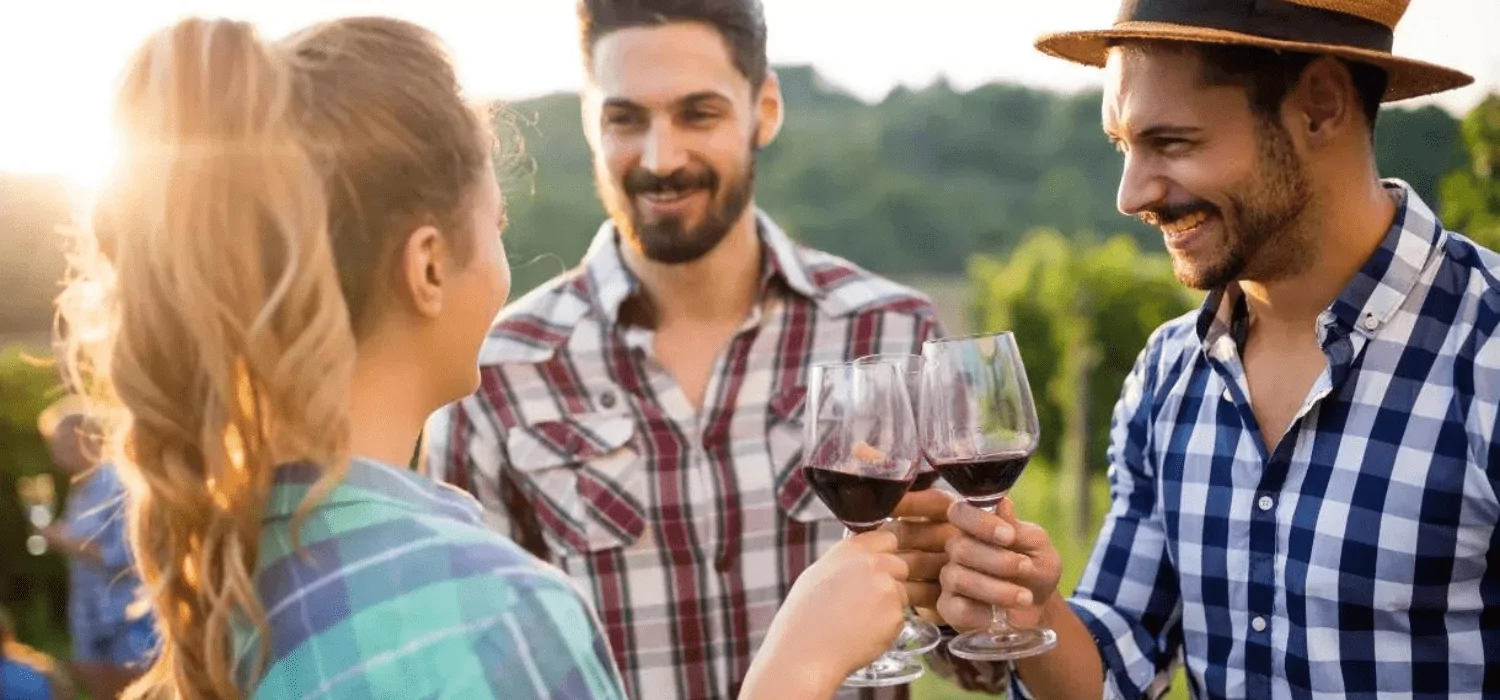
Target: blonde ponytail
234, 348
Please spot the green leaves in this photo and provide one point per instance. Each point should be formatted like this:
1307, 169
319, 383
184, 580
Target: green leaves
1077, 306
1471, 197
28, 584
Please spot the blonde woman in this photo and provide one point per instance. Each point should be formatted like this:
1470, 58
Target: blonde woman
295, 264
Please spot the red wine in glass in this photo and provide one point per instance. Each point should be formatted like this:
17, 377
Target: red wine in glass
925, 479
862, 502
984, 480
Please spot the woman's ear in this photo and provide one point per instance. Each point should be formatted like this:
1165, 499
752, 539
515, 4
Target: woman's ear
424, 270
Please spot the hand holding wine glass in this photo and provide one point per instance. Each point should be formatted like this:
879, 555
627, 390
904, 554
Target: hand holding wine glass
979, 429
996, 559
842, 612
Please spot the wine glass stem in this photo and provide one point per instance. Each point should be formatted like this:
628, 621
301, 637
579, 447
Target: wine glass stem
999, 621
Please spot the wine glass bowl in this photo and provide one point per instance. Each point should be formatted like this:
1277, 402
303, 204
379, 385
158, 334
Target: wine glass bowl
862, 492
863, 441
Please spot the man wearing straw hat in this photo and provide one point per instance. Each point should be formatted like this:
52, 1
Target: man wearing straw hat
112, 636
1304, 472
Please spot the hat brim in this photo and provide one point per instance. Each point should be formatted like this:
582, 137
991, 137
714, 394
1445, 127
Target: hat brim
1408, 78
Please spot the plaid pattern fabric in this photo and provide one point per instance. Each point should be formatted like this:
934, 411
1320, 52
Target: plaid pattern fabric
399, 591
1357, 560
688, 528
100, 595
19, 681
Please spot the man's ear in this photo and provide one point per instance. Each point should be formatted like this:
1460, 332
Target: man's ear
1324, 104
770, 108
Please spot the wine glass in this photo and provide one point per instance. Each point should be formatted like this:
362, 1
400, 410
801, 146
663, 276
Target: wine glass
860, 458
918, 636
979, 429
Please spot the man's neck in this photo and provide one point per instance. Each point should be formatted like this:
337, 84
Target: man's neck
1347, 231
720, 287
385, 411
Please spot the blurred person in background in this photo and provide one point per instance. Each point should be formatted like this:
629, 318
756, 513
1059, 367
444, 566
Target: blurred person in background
112, 632
28, 674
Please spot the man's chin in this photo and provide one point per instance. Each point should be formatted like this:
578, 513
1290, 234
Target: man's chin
1201, 277
670, 246
674, 252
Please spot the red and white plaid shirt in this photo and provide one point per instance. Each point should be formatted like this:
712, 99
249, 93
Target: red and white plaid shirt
688, 527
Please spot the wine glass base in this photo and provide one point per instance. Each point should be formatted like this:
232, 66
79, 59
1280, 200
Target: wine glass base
982, 645
887, 670
917, 637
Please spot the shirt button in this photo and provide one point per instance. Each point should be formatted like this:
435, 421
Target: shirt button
1265, 503
1371, 323
1258, 624
608, 399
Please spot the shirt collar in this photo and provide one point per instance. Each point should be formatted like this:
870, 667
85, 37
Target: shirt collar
611, 283
369, 481
1380, 287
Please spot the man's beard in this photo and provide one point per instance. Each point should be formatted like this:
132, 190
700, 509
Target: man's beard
669, 240
1265, 239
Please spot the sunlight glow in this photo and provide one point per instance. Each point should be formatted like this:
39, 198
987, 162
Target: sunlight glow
82, 149
58, 73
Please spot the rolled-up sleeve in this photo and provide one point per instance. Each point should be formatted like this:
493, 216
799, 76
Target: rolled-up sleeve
1128, 596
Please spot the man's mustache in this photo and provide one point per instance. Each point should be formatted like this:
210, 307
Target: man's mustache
643, 181
1166, 215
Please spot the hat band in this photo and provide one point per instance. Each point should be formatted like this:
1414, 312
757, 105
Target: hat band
1272, 19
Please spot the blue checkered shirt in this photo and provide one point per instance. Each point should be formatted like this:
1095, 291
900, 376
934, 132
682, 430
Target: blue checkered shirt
100, 594
1356, 560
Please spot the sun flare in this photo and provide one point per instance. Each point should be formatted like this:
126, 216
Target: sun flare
80, 153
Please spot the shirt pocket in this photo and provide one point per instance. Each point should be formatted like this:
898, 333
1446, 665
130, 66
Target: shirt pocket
784, 438
585, 479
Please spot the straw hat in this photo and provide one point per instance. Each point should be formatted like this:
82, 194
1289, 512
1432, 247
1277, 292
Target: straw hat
1357, 30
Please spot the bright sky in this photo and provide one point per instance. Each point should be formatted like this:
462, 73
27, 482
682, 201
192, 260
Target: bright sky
59, 58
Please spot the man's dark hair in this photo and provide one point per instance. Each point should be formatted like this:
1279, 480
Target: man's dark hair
742, 23
1268, 75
